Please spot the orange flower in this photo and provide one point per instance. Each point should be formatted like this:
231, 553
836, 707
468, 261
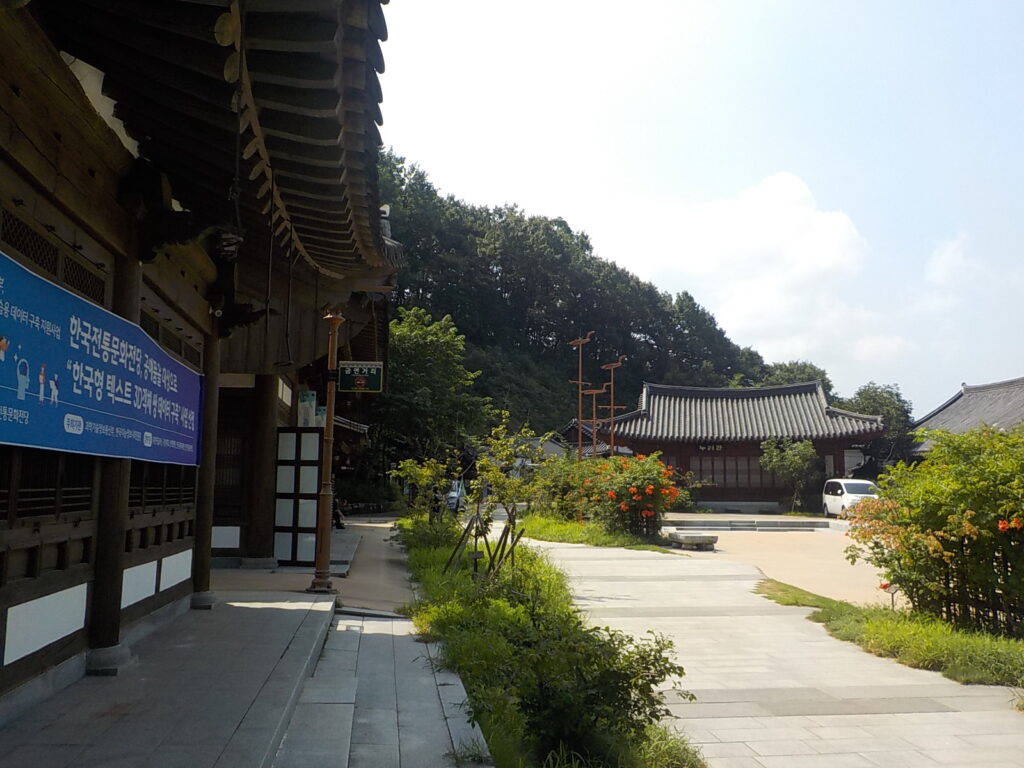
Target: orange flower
648, 513
640, 457
637, 497
587, 481
884, 585
623, 506
649, 490
611, 495
632, 489
1003, 525
1016, 523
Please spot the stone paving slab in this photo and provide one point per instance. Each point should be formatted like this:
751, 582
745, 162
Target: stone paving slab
213, 689
401, 712
775, 690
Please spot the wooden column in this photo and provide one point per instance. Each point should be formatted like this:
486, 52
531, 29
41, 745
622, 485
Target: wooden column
202, 597
107, 655
258, 523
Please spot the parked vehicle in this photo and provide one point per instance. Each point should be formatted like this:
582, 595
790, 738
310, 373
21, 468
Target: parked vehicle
456, 498
841, 493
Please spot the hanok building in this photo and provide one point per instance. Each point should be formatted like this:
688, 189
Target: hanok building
717, 433
1000, 404
185, 189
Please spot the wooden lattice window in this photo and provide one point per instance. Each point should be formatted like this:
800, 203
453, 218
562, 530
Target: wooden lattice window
28, 242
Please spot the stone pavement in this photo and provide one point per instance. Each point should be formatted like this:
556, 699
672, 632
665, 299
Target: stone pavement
775, 690
271, 676
375, 697
211, 688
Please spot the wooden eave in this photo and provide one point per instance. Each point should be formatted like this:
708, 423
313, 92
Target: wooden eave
207, 91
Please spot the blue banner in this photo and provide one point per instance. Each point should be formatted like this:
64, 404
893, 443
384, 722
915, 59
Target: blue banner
75, 377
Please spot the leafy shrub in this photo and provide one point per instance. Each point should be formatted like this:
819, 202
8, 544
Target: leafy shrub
534, 673
418, 531
949, 531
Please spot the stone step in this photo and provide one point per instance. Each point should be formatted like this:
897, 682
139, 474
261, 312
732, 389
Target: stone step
693, 541
749, 525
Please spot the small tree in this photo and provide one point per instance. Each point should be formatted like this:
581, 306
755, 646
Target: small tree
505, 467
426, 483
794, 462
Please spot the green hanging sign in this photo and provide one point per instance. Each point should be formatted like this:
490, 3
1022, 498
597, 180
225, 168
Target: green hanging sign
360, 376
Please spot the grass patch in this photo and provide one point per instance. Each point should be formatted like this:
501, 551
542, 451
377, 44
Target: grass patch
913, 639
545, 688
571, 532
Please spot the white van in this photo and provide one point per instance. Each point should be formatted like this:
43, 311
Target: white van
841, 493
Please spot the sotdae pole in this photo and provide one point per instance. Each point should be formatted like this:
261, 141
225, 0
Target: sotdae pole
578, 343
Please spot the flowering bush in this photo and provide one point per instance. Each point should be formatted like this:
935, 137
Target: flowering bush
628, 494
949, 531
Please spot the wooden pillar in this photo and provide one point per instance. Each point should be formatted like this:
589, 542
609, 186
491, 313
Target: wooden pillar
202, 597
258, 523
107, 655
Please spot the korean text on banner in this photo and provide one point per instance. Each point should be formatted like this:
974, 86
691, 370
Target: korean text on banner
75, 377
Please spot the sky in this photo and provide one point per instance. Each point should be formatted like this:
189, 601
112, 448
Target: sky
838, 182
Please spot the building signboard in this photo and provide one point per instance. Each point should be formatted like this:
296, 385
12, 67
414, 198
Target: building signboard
360, 376
75, 377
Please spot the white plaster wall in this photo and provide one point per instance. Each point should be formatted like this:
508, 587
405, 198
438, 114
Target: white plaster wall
138, 584
283, 513
283, 546
310, 446
307, 513
226, 536
37, 623
308, 480
286, 479
286, 446
306, 549
176, 569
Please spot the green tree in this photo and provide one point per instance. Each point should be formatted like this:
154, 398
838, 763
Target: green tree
794, 462
884, 400
520, 286
428, 409
797, 372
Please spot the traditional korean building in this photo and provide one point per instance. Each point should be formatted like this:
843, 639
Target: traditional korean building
185, 190
717, 433
1000, 404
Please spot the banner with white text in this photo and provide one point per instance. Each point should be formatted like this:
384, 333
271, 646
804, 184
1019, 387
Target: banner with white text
75, 377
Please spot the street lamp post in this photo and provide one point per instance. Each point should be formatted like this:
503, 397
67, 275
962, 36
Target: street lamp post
610, 367
578, 343
322, 565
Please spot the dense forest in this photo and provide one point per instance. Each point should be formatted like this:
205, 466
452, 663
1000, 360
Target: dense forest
521, 287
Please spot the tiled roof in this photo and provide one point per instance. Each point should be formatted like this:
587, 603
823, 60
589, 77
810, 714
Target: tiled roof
683, 414
998, 405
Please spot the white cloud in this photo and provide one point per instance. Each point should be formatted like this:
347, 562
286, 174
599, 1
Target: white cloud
949, 262
778, 272
875, 349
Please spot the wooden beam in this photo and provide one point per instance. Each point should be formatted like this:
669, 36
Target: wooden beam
290, 32
136, 69
53, 134
313, 102
74, 22
291, 69
207, 24
304, 130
